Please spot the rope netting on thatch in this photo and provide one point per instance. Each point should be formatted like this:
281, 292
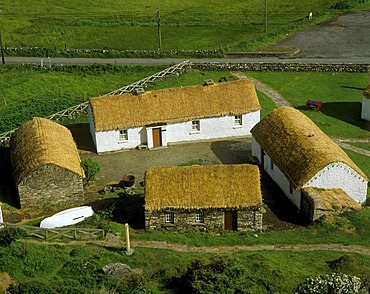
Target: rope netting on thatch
174, 105
41, 141
297, 146
202, 187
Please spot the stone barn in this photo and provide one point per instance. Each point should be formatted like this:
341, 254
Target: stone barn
46, 164
297, 154
208, 197
161, 117
365, 112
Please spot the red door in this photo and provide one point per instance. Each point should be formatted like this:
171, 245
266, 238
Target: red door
157, 137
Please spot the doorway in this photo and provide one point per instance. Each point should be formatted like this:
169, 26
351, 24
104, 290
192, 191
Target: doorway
231, 220
157, 137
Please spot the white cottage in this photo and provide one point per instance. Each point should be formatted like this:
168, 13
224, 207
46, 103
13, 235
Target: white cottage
365, 113
297, 154
160, 117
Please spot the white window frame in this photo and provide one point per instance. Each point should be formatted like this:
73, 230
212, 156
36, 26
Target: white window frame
122, 135
169, 217
238, 120
195, 126
199, 217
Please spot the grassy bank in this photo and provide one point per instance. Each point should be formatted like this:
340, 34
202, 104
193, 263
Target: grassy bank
189, 25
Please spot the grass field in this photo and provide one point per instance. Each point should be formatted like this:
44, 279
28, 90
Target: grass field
185, 25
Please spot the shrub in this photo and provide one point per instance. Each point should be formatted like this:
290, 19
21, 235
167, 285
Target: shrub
330, 284
9, 235
91, 169
33, 287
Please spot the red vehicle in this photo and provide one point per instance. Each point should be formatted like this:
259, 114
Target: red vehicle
313, 104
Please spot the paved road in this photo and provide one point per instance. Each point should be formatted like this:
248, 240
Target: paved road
171, 61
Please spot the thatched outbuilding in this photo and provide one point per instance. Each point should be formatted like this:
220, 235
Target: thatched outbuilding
46, 164
160, 117
297, 154
365, 111
208, 197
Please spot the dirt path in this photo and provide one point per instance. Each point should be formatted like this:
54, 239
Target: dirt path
114, 241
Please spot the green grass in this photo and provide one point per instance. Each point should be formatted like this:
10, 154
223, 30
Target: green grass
76, 268
185, 25
341, 93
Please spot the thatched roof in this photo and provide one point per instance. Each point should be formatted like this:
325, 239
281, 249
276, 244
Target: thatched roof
39, 142
297, 146
173, 105
331, 199
367, 92
202, 187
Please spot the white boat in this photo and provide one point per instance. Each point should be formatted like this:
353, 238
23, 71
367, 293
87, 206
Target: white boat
67, 217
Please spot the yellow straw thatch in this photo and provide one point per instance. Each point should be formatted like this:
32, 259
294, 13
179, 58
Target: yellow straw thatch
174, 105
202, 187
39, 142
297, 146
331, 199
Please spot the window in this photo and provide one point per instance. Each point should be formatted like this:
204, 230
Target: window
290, 190
169, 217
238, 120
123, 135
199, 217
195, 126
271, 165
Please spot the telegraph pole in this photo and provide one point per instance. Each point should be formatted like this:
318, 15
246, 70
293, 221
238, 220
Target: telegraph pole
159, 30
2, 49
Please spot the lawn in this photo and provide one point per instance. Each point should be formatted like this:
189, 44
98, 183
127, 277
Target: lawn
341, 94
77, 269
185, 25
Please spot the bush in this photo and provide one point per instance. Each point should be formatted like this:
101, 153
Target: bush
9, 235
91, 169
33, 287
330, 284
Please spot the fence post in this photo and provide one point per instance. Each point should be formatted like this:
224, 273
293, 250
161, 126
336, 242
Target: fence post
129, 250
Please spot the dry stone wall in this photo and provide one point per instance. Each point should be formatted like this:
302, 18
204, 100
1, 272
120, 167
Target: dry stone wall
48, 185
248, 219
281, 67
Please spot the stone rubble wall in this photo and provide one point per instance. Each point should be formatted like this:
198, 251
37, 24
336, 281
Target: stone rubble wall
248, 219
281, 67
49, 185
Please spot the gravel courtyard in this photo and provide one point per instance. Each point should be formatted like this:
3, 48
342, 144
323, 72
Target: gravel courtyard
280, 213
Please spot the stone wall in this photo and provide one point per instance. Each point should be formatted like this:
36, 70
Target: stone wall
48, 185
292, 66
248, 219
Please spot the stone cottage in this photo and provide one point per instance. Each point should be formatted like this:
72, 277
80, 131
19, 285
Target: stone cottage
297, 154
46, 164
161, 117
208, 197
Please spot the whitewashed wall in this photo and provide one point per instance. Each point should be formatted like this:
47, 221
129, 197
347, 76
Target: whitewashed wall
109, 140
210, 128
365, 113
277, 175
340, 175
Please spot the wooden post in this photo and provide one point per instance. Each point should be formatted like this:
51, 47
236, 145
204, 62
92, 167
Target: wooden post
129, 250
1, 217
159, 30
265, 16
2, 49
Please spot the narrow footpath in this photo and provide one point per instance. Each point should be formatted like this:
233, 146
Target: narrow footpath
114, 241
280, 101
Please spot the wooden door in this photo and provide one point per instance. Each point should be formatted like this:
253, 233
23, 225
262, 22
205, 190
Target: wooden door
230, 220
157, 137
